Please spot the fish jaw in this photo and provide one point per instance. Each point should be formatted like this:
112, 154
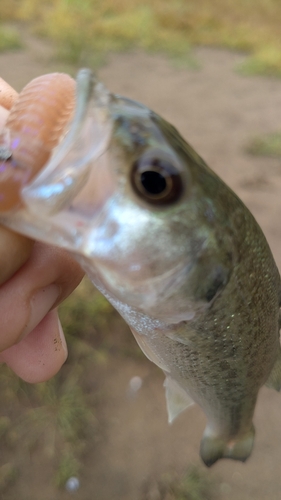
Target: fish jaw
146, 272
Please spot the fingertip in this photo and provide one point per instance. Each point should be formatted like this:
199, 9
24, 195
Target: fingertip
41, 354
8, 95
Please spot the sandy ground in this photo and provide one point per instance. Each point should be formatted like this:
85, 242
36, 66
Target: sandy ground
217, 111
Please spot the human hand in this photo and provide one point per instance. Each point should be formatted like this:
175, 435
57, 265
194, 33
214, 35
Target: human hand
34, 279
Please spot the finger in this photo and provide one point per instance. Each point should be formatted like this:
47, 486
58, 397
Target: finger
15, 249
4, 113
8, 95
50, 265
41, 283
41, 354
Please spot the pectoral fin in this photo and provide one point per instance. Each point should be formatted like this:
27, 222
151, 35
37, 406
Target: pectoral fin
274, 379
176, 398
146, 349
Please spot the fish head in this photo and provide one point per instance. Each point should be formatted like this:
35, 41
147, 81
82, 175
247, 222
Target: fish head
156, 246
136, 205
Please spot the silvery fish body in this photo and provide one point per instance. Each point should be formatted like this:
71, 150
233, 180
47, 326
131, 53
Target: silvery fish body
176, 252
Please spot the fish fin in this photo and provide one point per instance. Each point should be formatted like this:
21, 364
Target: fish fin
274, 379
213, 448
179, 336
176, 398
146, 349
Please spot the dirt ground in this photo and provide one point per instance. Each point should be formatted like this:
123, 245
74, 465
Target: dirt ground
217, 111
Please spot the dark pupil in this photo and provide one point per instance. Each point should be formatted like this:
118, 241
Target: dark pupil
153, 182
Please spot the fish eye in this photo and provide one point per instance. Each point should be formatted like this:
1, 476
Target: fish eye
156, 180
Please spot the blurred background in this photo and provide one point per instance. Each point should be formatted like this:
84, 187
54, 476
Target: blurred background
99, 429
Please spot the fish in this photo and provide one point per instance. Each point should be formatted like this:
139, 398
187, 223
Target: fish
175, 251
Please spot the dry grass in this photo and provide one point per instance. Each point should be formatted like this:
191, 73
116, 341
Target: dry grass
85, 31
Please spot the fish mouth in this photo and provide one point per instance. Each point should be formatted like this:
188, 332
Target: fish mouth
51, 210
86, 140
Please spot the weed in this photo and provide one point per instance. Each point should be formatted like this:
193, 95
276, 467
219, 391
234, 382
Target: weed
9, 38
8, 475
266, 61
68, 466
84, 32
195, 484
85, 312
93, 328
57, 417
269, 145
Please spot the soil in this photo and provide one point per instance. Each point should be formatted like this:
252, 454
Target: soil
218, 111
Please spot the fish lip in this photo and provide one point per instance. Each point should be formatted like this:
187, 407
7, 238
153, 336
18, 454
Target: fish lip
69, 167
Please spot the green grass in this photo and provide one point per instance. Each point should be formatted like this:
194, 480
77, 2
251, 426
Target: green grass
57, 419
9, 38
84, 32
54, 419
266, 62
195, 484
86, 311
269, 145
8, 476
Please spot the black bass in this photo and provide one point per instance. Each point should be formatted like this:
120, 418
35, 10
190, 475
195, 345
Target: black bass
174, 250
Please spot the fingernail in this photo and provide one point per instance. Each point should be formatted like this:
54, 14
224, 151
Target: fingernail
40, 304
